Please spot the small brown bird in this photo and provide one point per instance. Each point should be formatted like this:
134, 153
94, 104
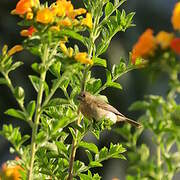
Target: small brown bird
93, 107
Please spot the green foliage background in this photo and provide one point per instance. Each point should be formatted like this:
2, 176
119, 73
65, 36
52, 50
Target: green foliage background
128, 95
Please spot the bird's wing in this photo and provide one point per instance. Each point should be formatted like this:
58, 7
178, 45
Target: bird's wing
108, 107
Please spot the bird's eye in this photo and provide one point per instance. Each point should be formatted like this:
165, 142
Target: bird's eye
83, 95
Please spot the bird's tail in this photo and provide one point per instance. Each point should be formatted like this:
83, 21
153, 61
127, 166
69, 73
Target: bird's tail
130, 121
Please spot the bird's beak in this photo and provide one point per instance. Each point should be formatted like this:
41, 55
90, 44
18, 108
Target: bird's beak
79, 97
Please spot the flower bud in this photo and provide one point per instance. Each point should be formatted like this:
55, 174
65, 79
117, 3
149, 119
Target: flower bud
19, 93
176, 116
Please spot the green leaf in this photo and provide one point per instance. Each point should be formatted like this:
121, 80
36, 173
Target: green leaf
176, 116
118, 17
85, 177
89, 176
118, 69
36, 84
108, 77
109, 8
115, 151
139, 105
35, 67
62, 147
14, 136
55, 69
93, 85
102, 47
64, 84
96, 133
144, 151
79, 167
62, 122
115, 85
95, 164
15, 65
90, 157
129, 177
72, 133
90, 146
3, 81
31, 108
73, 34
16, 113
116, 2
74, 92
57, 102
99, 62
41, 137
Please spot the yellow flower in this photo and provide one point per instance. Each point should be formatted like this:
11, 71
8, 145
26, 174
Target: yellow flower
55, 28
145, 45
164, 39
65, 22
58, 9
4, 49
15, 49
28, 32
29, 16
67, 51
67, 5
175, 19
63, 48
44, 16
82, 57
77, 12
70, 51
87, 21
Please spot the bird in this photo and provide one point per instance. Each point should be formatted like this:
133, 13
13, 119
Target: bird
92, 107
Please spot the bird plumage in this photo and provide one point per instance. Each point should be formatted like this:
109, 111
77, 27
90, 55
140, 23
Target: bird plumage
93, 107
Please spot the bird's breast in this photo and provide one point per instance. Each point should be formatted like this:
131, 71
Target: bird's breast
101, 113
93, 111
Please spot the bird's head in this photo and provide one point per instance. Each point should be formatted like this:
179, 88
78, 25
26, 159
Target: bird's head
84, 96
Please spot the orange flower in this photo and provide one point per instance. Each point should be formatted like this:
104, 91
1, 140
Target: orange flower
28, 32
44, 16
65, 22
11, 173
67, 5
55, 28
87, 21
23, 6
77, 12
164, 39
175, 45
15, 49
175, 19
58, 9
145, 45
82, 57
29, 16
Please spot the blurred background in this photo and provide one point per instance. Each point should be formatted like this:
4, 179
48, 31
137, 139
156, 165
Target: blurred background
155, 14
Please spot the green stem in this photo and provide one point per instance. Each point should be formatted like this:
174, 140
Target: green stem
73, 151
37, 116
114, 79
21, 105
53, 90
83, 87
158, 151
